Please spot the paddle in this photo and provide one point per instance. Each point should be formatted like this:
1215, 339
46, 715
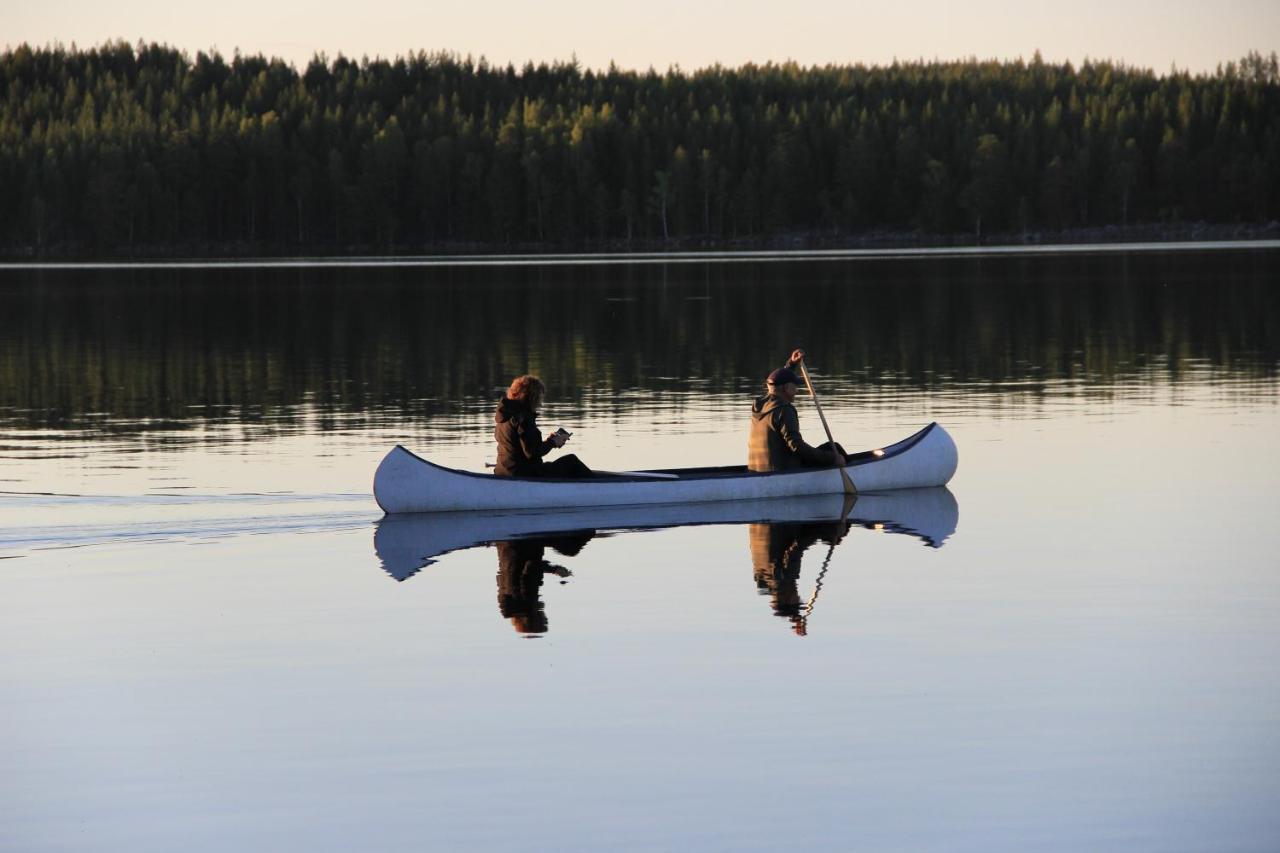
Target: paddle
844, 475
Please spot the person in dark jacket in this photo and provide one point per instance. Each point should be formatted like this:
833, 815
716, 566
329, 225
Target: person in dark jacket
520, 442
775, 443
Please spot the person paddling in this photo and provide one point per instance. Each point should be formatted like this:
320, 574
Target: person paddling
520, 442
775, 443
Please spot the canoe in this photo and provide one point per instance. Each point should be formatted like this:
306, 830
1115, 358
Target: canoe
405, 482
406, 543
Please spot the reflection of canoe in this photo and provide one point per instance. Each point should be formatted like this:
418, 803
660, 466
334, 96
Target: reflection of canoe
407, 483
406, 543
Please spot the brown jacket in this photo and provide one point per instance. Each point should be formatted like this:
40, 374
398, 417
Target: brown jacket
775, 443
520, 442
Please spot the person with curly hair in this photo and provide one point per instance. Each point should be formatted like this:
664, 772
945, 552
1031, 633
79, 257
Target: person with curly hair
521, 447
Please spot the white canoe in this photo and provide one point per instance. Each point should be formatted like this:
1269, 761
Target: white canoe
406, 543
407, 483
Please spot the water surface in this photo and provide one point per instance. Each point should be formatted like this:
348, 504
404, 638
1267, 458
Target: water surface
211, 639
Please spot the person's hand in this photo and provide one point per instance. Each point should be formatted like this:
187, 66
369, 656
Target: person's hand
559, 438
797, 356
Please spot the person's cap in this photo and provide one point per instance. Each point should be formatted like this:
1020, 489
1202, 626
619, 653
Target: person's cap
782, 376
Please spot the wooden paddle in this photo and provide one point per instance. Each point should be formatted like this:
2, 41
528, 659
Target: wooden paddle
844, 475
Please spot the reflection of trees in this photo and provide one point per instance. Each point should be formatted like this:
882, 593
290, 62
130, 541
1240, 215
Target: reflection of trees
184, 346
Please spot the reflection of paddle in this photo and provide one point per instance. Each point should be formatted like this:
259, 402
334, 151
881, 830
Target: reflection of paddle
844, 475
801, 625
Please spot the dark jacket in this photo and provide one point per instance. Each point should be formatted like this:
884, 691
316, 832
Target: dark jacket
775, 443
520, 442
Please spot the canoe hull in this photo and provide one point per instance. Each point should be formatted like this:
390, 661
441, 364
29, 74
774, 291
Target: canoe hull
407, 483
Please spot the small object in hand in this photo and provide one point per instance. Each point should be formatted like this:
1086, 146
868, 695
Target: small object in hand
564, 432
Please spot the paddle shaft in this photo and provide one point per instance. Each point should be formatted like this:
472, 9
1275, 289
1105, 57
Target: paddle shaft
844, 475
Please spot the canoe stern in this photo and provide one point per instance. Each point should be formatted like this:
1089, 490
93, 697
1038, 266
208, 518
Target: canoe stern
402, 482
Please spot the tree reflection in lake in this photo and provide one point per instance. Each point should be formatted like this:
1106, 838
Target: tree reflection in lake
125, 351
780, 531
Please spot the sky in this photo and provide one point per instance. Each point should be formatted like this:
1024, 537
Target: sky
1194, 36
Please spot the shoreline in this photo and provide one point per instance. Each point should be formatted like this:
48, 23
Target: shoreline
818, 244
669, 256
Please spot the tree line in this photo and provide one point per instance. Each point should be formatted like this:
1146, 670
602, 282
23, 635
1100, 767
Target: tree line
123, 148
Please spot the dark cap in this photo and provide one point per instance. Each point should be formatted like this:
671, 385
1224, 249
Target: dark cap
782, 376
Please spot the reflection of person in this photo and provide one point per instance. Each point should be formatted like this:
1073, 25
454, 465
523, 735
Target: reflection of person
776, 550
521, 568
520, 442
775, 443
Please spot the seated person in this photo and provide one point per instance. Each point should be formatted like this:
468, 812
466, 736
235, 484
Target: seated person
520, 443
775, 443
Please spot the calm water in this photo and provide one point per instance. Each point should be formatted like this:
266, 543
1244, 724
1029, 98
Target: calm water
210, 640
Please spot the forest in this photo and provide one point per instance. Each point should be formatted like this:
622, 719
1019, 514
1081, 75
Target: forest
141, 149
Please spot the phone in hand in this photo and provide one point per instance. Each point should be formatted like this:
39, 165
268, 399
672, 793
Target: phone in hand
564, 432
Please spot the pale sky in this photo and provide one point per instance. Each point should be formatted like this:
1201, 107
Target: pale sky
1193, 34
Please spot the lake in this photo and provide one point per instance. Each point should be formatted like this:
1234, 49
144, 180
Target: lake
211, 639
